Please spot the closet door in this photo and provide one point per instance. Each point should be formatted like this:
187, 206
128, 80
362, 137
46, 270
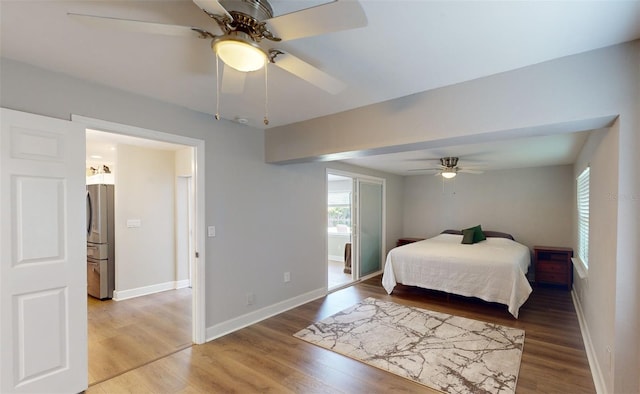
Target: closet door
370, 215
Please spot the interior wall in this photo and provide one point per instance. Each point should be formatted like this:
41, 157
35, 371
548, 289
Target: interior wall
269, 219
593, 291
532, 204
145, 255
184, 162
185, 203
569, 94
182, 231
274, 220
627, 289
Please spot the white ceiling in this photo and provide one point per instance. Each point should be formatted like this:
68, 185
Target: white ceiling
551, 150
102, 147
407, 47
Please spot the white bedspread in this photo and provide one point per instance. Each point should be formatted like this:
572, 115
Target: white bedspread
493, 270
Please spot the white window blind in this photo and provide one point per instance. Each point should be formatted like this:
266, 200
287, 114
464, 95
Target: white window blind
583, 216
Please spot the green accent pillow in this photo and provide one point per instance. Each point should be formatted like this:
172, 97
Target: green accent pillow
478, 235
467, 236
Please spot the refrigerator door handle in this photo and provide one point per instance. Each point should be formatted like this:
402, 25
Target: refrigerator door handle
89, 213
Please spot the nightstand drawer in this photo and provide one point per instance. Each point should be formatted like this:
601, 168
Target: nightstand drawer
552, 256
551, 267
551, 277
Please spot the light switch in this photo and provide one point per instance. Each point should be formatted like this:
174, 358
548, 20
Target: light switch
211, 231
134, 223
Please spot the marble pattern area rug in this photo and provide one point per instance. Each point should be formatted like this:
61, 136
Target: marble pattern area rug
445, 352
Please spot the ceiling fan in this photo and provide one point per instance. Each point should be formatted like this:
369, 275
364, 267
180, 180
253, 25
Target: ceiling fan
246, 31
448, 168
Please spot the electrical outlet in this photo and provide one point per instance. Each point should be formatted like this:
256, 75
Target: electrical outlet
287, 277
251, 298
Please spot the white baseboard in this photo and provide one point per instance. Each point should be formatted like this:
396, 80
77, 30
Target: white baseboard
181, 284
333, 257
596, 371
229, 326
120, 295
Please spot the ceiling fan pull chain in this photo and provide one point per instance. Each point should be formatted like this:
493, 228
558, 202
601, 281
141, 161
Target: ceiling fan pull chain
266, 93
217, 88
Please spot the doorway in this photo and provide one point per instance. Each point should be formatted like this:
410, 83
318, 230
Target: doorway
355, 227
339, 230
43, 169
180, 300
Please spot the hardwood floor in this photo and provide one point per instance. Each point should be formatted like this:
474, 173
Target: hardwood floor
265, 357
336, 275
124, 335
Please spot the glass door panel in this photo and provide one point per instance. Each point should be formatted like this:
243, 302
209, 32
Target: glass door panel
370, 226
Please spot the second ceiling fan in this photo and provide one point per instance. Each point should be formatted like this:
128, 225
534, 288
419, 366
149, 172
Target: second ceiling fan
448, 168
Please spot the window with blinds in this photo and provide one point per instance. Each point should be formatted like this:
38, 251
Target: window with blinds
583, 216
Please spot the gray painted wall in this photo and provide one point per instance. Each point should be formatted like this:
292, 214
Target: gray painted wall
573, 93
535, 205
269, 218
603, 186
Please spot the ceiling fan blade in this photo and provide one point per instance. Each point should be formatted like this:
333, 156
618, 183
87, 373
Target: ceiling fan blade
232, 81
213, 7
438, 160
469, 171
140, 26
322, 19
423, 169
309, 73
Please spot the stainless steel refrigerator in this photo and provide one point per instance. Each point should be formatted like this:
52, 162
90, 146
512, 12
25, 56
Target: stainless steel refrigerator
100, 241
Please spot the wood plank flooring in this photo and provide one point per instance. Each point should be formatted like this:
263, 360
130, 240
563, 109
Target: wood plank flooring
265, 357
337, 277
124, 335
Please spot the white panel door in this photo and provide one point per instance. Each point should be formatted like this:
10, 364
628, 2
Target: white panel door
43, 305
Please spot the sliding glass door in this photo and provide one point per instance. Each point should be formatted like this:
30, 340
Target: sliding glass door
370, 196
355, 232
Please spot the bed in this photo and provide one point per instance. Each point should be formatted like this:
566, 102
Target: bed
493, 270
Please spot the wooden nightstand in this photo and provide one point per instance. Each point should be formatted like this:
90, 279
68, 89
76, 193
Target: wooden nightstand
409, 240
553, 265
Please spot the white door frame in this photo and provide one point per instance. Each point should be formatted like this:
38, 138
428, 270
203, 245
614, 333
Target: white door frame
184, 229
198, 323
355, 212
183, 185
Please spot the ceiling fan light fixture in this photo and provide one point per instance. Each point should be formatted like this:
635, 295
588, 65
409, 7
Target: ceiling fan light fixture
241, 54
448, 173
